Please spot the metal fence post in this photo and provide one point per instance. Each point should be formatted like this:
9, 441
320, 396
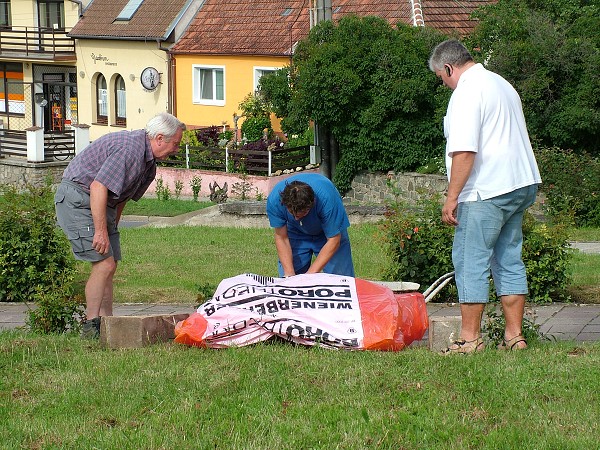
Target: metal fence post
226, 160
270, 162
187, 156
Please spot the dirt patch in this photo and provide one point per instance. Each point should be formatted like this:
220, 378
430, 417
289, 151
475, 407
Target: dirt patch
589, 295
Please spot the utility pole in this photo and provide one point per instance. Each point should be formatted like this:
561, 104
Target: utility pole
322, 149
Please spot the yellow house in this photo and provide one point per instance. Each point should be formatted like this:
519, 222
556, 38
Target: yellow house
230, 44
124, 67
210, 90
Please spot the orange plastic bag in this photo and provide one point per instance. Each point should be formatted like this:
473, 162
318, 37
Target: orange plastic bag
331, 311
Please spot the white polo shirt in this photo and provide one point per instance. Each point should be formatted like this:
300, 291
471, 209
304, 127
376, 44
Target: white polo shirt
485, 116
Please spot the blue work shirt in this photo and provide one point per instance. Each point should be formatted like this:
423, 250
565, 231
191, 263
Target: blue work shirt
327, 217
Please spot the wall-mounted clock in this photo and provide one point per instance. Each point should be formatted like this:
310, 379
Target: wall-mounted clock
150, 78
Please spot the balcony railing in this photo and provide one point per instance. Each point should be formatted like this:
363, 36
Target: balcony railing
36, 42
56, 146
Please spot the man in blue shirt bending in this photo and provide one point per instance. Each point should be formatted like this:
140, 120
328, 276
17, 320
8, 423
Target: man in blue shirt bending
309, 219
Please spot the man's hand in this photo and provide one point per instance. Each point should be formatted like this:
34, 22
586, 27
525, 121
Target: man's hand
462, 164
101, 242
98, 201
449, 212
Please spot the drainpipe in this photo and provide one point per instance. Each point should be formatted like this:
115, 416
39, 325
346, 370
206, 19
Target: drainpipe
80, 6
170, 79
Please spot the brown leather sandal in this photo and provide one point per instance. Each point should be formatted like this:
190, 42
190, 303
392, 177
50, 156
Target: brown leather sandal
512, 344
464, 347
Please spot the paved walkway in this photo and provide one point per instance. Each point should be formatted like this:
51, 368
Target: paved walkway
563, 321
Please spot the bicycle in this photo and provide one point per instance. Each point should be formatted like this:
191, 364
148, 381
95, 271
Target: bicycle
59, 145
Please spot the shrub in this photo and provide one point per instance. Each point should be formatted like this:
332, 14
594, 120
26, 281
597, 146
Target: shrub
209, 137
300, 140
163, 192
33, 251
178, 189
547, 258
419, 249
571, 183
253, 128
196, 185
418, 245
59, 309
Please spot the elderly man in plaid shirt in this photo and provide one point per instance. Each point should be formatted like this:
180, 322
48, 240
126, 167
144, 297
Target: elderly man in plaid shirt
95, 187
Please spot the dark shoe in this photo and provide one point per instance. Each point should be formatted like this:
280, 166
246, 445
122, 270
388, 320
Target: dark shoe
91, 329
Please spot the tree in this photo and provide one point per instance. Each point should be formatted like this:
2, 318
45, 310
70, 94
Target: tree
277, 91
550, 51
368, 83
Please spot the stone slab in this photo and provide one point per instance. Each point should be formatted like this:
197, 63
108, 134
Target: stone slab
443, 331
138, 331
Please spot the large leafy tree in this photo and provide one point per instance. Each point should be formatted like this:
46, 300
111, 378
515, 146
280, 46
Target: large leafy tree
368, 83
550, 51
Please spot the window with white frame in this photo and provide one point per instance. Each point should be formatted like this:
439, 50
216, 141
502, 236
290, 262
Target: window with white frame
260, 71
120, 101
102, 99
208, 85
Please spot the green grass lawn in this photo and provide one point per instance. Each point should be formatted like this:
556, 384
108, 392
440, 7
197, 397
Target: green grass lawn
192, 258
60, 392
163, 208
171, 265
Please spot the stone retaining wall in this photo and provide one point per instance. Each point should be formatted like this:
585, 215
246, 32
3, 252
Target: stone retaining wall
18, 172
369, 187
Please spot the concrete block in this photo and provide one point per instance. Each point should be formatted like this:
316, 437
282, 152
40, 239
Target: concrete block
443, 331
138, 331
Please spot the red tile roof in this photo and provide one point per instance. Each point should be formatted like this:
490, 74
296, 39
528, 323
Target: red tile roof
153, 20
272, 27
451, 17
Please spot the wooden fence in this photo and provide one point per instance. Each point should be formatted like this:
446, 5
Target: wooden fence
254, 162
13, 143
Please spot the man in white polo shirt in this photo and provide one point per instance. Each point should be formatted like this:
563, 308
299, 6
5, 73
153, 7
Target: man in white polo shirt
493, 178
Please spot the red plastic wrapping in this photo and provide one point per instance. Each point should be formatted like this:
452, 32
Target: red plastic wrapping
331, 311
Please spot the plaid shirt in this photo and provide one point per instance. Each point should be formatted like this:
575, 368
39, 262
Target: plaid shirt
122, 161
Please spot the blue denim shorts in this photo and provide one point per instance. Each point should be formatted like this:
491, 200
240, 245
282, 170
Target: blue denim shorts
489, 237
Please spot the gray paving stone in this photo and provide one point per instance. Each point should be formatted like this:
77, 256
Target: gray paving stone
563, 321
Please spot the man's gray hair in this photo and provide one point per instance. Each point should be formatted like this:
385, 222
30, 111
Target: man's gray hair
450, 52
165, 124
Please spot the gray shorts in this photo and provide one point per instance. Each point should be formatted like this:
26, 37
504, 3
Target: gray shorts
74, 216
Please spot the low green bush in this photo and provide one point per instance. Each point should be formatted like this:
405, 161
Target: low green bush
33, 251
547, 258
417, 244
418, 247
58, 308
571, 183
253, 128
